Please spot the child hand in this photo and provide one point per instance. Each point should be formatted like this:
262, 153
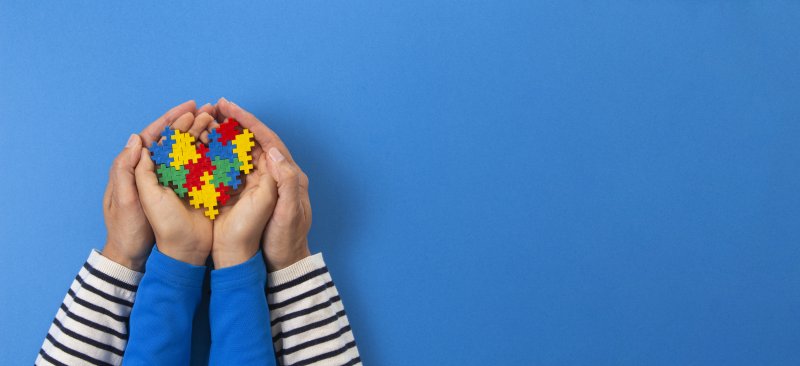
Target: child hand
238, 228
181, 231
285, 239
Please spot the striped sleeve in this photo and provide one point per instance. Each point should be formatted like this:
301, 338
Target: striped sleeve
309, 324
91, 325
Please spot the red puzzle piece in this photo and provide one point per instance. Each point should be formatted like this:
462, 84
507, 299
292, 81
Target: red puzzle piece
227, 130
224, 194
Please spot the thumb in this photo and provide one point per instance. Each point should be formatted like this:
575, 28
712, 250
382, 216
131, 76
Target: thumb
287, 176
266, 184
123, 171
146, 179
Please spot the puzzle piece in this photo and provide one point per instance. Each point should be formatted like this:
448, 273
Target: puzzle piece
227, 130
168, 176
234, 174
184, 150
207, 173
244, 143
206, 196
222, 169
224, 194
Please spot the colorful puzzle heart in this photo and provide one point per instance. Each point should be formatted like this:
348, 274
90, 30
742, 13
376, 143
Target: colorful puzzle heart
207, 173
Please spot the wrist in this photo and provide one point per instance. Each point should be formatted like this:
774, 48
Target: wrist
192, 255
113, 252
278, 263
229, 256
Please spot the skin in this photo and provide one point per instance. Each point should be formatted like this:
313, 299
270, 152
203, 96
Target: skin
272, 210
238, 228
181, 231
285, 238
129, 236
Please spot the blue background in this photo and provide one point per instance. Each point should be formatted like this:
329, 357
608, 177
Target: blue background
493, 182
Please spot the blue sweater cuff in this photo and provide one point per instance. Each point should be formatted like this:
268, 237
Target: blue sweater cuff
252, 272
174, 271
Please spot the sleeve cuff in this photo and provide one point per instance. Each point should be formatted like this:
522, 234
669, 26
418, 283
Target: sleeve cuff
174, 271
302, 267
252, 272
114, 269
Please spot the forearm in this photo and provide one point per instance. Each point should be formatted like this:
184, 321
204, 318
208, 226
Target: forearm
91, 325
308, 320
239, 316
161, 320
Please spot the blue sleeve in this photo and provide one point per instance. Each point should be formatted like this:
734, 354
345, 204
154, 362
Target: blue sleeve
239, 315
161, 319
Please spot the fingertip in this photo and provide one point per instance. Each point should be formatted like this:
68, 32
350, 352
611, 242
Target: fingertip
144, 158
133, 140
135, 145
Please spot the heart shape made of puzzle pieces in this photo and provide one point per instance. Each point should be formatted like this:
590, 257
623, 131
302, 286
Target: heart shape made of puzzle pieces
206, 173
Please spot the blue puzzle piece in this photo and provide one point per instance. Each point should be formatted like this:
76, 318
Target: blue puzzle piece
168, 139
214, 136
235, 181
161, 151
217, 149
161, 154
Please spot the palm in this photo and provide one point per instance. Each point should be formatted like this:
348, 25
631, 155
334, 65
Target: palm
174, 219
247, 211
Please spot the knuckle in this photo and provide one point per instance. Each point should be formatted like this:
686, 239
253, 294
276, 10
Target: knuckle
118, 164
290, 175
126, 201
303, 180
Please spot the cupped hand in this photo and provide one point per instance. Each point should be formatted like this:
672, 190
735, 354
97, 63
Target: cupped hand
285, 239
240, 224
181, 231
129, 236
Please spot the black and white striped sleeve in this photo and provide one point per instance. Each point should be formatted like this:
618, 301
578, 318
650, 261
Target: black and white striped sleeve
309, 324
91, 326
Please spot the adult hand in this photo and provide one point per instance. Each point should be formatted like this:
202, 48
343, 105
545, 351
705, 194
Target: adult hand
182, 232
129, 237
285, 239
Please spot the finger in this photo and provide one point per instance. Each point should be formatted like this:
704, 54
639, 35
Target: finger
211, 126
200, 124
146, 180
124, 183
107, 194
217, 115
207, 108
263, 135
288, 178
267, 186
184, 122
256, 152
152, 132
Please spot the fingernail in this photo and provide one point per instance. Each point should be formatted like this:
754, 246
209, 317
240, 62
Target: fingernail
131, 140
275, 155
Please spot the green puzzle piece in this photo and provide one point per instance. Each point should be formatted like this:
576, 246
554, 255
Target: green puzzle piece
221, 169
168, 175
